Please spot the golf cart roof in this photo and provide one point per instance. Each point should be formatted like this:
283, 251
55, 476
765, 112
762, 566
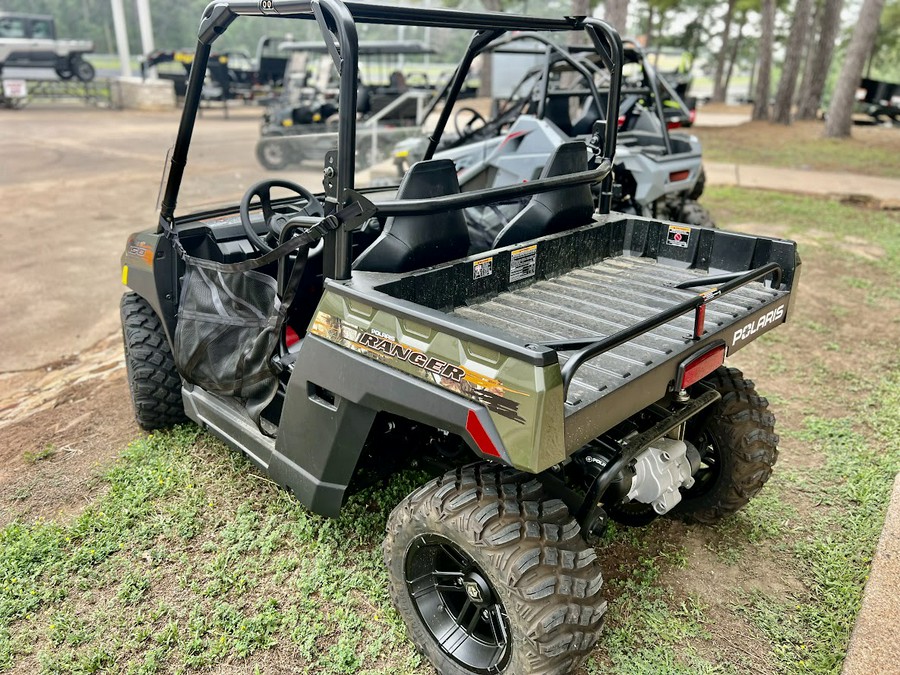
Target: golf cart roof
25, 15
368, 48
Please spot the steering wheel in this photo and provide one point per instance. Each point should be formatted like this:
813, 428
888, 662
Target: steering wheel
467, 129
275, 220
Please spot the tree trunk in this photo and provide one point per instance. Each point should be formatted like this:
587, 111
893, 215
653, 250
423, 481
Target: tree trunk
841, 108
487, 75
580, 8
764, 78
616, 14
820, 61
792, 59
809, 47
735, 47
718, 95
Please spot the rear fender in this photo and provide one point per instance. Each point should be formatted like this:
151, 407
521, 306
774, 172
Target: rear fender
332, 399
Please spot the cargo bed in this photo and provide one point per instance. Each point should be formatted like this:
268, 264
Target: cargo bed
613, 309
603, 299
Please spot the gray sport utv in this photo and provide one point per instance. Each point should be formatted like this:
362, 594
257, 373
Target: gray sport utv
570, 374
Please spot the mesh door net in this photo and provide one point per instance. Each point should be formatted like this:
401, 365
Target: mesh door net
230, 319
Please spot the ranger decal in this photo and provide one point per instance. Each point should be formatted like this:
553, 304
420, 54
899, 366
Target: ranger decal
488, 391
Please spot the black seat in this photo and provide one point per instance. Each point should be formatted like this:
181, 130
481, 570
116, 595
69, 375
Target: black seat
557, 111
412, 242
589, 114
558, 210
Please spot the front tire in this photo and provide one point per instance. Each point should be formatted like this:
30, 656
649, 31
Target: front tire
738, 448
273, 153
527, 599
152, 377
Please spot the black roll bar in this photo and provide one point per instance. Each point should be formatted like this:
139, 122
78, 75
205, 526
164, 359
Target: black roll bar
420, 207
337, 21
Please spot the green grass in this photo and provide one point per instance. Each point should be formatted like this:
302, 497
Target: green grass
834, 549
871, 151
190, 559
833, 225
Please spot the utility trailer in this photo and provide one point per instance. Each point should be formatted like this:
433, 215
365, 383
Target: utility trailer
570, 374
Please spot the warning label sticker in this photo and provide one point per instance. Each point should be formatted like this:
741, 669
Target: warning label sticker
523, 263
482, 268
678, 235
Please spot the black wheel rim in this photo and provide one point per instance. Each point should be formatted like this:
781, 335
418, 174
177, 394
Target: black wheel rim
710, 465
457, 604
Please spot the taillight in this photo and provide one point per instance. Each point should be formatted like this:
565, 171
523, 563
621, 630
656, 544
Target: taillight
480, 435
290, 337
673, 124
699, 365
621, 120
676, 176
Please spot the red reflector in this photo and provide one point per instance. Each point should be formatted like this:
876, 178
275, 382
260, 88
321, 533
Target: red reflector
290, 337
702, 366
480, 435
676, 176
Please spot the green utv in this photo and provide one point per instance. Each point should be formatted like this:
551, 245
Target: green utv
569, 375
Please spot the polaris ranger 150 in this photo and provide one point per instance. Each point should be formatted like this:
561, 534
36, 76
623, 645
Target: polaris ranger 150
578, 362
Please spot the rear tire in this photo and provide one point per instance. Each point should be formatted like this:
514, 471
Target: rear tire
83, 70
738, 448
694, 213
697, 191
525, 548
152, 377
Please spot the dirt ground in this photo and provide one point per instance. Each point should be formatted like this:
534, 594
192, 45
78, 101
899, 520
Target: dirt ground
74, 183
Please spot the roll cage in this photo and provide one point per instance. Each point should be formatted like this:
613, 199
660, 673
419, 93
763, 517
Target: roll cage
337, 22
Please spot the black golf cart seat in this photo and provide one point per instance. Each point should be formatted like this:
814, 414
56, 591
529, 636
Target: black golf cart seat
552, 212
412, 242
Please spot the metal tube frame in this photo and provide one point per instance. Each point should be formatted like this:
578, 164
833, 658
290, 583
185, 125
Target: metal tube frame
337, 20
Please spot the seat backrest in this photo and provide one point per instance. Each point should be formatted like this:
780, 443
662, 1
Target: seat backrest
412, 242
558, 210
590, 113
557, 111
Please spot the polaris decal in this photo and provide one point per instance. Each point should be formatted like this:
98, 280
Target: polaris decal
375, 344
767, 319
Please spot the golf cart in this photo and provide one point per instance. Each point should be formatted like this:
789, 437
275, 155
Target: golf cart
300, 123
572, 374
